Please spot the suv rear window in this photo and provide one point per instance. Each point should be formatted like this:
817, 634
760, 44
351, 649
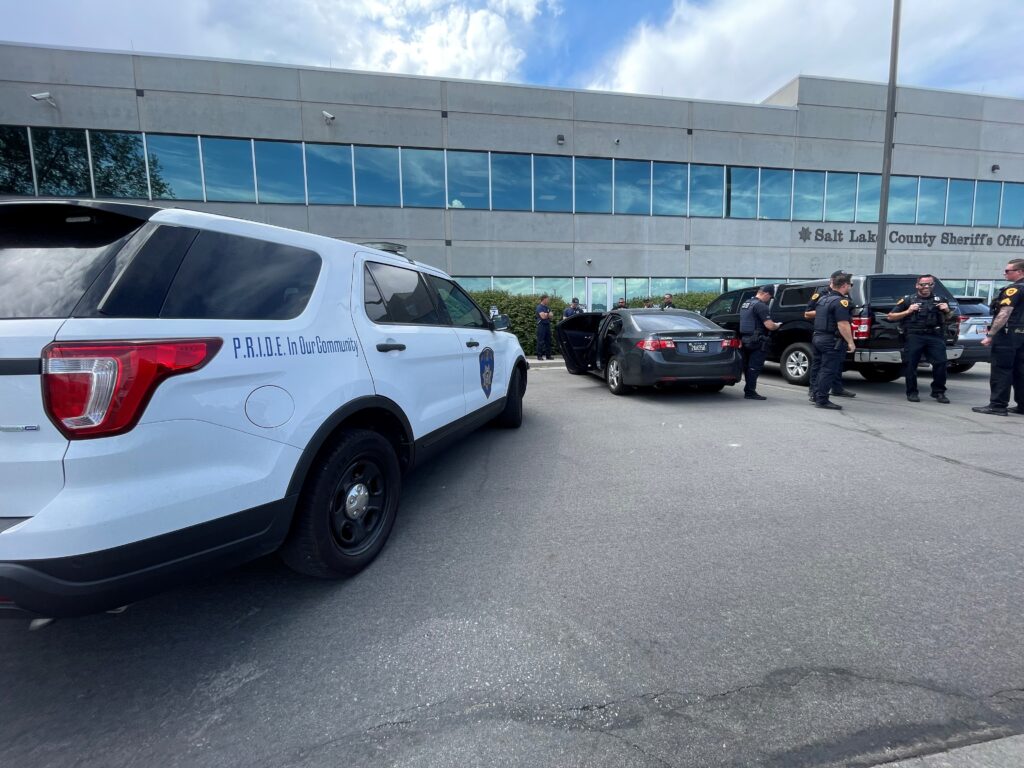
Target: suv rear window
51, 254
889, 290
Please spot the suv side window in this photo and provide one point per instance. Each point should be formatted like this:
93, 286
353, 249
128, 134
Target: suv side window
462, 310
228, 277
794, 297
405, 296
721, 306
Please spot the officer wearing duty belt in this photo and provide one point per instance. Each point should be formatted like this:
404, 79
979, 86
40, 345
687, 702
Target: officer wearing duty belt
1006, 337
809, 313
754, 329
832, 339
922, 317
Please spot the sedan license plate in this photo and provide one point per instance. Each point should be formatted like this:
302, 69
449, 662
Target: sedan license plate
698, 346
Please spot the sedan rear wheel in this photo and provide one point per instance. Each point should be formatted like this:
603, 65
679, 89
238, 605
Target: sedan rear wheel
613, 375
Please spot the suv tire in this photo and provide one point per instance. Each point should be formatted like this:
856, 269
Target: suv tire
347, 508
613, 375
795, 363
512, 416
959, 367
880, 372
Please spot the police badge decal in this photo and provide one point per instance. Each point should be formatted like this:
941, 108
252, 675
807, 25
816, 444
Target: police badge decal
486, 370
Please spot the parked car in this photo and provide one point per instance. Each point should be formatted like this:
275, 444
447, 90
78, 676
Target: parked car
182, 392
651, 347
878, 356
975, 318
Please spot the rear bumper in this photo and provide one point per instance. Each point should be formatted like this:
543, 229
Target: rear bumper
895, 356
652, 371
98, 581
975, 353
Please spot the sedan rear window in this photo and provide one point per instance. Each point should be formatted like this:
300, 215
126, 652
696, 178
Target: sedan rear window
673, 322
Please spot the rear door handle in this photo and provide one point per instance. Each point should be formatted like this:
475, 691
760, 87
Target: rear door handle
391, 347
472, 343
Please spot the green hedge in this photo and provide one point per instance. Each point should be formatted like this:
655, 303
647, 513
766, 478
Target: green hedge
520, 311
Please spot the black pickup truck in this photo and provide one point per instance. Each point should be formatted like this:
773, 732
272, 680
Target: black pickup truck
878, 355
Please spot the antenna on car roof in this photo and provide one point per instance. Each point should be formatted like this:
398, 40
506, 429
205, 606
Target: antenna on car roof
398, 249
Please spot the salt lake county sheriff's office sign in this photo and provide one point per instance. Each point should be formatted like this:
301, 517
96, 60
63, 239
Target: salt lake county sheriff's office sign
926, 238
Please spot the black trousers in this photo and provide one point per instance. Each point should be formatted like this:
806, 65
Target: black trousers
837, 387
754, 354
932, 347
832, 351
543, 340
1007, 368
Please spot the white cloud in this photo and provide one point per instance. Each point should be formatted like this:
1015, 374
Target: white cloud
743, 50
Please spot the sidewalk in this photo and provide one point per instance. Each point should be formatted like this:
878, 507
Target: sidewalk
1001, 753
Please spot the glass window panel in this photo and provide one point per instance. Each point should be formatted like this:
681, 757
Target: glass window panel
422, 178
406, 296
961, 202
474, 283
15, 162
1013, 206
522, 286
279, 172
467, 180
662, 285
554, 286
633, 187
460, 308
552, 181
227, 168
329, 174
776, 192
732, 283
62, 163
377, 176
869, 195
741, 193
704, 285
618, 289
902, 199
986, 203
638, 287
931, 203
579, 287
119, 166
808, 195
840, 196
670, 189
706, 190
956, 287
593, 185
175, 160
510, 182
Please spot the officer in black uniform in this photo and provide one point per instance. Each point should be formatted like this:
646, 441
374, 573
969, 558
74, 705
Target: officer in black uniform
573, 309
755, 326
809, 313
832, 339
922, 317
543, 315
1006, 337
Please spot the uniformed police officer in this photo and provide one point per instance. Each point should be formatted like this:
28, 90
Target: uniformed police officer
1006, 337
832, 339
755, 326
573, 309
809, 313
543, 313
922, 317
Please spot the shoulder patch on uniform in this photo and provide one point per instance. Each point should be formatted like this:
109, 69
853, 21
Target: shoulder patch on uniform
1010, 291
900, 302
845, 302
814, 296
1006, 302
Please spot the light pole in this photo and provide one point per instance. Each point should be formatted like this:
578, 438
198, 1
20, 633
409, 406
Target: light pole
890, 119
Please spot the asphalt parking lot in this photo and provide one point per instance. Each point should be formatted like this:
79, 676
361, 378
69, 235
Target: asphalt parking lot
660, 579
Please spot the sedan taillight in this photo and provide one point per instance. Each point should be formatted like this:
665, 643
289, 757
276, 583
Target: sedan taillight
733, 343
653, 345
101, 389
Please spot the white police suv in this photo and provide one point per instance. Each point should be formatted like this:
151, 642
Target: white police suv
181, 391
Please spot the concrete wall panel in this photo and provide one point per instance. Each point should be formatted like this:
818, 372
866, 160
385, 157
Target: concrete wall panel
631, 110
518, 101
744, 118
839, 93
162, 112
510, 226
509, 134
833, 155
369, 90
635, 142
77, 107
937, 132
222, 78
838, 123
48, 66
391, 224
507, 259
939, 103
359, 125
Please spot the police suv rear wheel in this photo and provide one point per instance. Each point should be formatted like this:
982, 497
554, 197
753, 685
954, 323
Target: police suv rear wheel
795, 363
347, 508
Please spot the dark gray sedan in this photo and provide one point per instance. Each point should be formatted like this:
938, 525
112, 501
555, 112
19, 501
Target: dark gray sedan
975, 318
650, 347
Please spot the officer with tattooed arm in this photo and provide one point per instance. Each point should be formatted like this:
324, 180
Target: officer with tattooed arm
1006, 337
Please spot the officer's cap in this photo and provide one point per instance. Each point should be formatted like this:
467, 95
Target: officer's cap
769, 289
575, 300
837, 273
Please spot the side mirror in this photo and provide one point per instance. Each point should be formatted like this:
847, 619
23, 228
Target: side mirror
500, 323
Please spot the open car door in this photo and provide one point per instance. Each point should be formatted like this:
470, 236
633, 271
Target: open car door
576, 339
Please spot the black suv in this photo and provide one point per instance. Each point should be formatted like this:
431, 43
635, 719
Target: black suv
878, 356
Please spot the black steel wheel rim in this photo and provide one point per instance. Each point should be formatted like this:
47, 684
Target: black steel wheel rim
358, 505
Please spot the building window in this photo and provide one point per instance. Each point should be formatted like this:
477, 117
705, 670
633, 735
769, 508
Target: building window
279, 172
15, 162
511, 182
662, 285
633, 187
902, 199
329, 174
554, 286
704, 284
869, 195
961, 202
520, 286
840, 196
707, 186
986, 203
775, 194
931, 201
474, 283
638, 287
377, 176
62, 163
227, 170
741, 193
119, 166
593, 185
552, 183
1013, 206
468, 180
670, 183
808, 195
422, 178
175, 161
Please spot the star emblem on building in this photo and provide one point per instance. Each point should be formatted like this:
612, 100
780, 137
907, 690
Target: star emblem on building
805, 234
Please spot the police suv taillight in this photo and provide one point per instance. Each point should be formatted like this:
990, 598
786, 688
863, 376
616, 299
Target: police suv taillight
99, 389
861, 328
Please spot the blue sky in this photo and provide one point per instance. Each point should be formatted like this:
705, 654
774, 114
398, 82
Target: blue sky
731, 50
